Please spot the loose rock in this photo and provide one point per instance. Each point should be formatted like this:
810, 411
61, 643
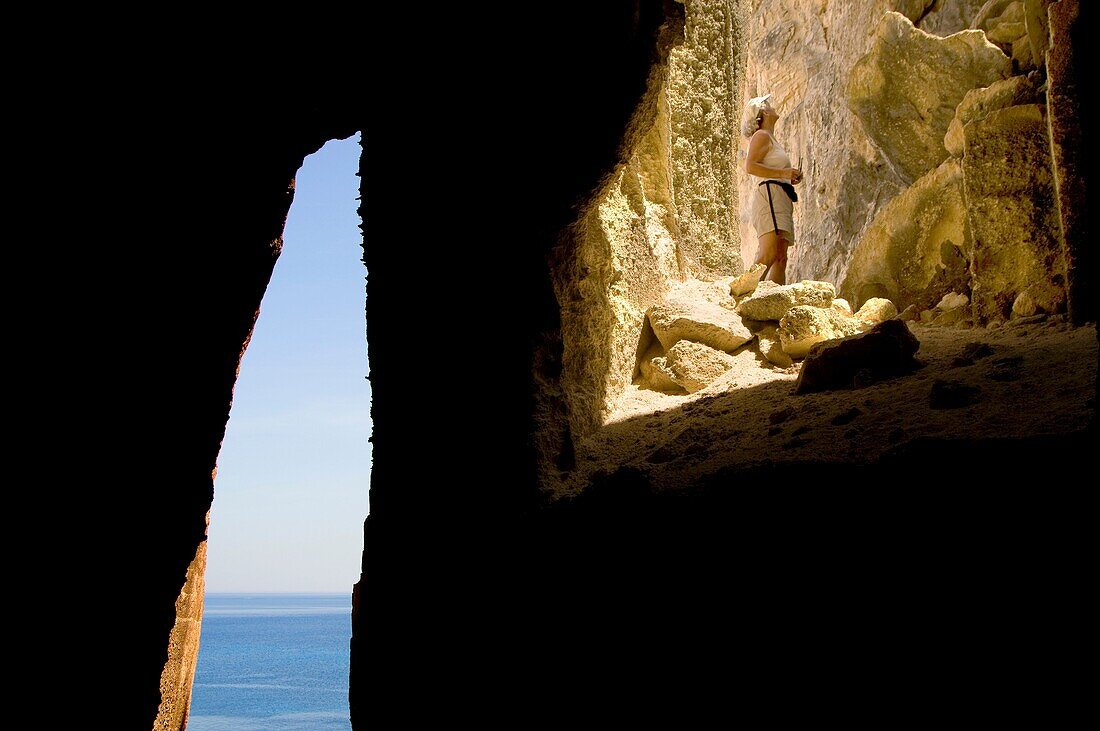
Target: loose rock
772, 303
1024, 305
747, 282
803, 327
885, 351
700, 322
876, 310
694, 365
846, 417
657, 376
951, 301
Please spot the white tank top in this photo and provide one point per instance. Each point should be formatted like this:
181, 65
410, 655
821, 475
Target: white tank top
775, 158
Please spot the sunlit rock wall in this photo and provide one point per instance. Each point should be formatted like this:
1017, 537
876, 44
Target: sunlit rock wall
666, 213
875, 97
183, 648
805, 53
704, 115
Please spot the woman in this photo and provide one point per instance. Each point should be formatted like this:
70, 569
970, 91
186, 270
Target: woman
773, 196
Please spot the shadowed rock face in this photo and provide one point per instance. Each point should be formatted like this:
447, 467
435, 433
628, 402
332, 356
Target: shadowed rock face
665, 213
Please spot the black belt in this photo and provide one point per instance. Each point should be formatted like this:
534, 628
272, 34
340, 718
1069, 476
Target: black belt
790, 194
785, 186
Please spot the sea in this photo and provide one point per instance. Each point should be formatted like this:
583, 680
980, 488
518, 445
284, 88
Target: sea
273, 662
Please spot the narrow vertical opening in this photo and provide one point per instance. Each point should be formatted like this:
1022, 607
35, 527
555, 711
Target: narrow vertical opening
291, 491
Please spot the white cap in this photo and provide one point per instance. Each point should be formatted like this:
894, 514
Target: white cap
752, 111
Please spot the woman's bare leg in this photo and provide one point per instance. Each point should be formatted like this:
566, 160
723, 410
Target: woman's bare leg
766, 251
777, 270
773, 254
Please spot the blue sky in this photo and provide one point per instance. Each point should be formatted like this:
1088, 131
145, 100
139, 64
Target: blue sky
291, 490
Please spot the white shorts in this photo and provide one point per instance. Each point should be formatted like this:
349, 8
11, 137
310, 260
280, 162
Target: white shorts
762, 213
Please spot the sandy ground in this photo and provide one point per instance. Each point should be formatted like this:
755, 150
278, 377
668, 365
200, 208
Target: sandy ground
1033, 379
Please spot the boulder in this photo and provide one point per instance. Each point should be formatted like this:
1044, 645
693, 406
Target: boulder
1037, 298
885, 351
694, 365
906, 88
842, 304
917, 247
701, 322
1011, 207
804, 326
772, 303
909, 313
980, 103
747, 282
876, 310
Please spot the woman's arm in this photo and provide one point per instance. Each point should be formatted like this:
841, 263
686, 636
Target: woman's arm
758, 148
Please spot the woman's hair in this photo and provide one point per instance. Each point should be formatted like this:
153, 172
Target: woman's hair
750, 121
